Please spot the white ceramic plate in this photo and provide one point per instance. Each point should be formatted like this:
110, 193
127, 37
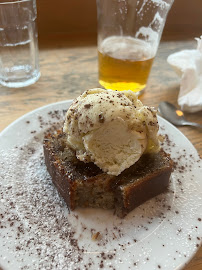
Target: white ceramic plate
38, 232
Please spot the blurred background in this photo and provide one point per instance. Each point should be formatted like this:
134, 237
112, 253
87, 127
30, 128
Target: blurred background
77, 18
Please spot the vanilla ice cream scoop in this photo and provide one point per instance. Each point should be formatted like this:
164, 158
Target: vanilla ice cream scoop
110, 128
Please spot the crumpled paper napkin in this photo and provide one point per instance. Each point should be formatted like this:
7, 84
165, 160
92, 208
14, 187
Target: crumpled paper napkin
188, 65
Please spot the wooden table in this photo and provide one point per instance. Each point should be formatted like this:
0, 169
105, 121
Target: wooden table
70, 67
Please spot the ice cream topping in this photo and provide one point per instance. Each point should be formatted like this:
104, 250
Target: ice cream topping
111, 128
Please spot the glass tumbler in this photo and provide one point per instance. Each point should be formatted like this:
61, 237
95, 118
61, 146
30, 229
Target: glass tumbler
129, 32
19, 65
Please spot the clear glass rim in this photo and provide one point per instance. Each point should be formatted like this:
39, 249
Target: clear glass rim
14, 2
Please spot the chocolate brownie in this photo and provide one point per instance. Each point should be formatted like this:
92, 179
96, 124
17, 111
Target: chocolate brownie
85, 185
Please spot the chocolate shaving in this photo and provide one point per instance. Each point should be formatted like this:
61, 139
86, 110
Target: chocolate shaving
87, 106
101, 118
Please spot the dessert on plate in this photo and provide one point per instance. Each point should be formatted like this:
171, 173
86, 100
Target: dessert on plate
107, 154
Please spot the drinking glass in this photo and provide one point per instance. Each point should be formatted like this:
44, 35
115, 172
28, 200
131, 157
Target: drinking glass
129, 32
19, 65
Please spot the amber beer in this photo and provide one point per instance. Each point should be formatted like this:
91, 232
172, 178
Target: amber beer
124, 63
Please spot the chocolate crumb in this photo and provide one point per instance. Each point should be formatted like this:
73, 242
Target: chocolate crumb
101, 118
87, 106
96, 236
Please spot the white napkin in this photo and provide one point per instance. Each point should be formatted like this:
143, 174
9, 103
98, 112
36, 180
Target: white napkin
188, 65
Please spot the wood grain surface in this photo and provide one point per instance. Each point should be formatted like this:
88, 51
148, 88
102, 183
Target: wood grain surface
70, 67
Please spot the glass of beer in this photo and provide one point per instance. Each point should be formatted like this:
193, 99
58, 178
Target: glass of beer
129, 32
